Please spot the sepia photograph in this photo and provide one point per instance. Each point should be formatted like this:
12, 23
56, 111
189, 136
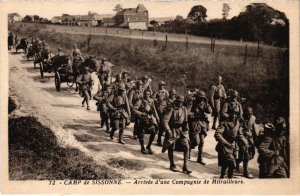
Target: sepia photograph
150, 97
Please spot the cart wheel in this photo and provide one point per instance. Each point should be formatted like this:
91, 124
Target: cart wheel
57, 81
42, 69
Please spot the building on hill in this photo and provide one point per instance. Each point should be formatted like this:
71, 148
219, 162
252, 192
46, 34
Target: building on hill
83, 20
133, 18
14, 17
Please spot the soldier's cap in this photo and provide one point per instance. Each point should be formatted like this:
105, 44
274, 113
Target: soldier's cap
125, 72
145, 77
118, 76
235, 93
75, 45
180, 98
59, 49
92, 57
122, 87
162, 83
173, 92
220, 78
269, 126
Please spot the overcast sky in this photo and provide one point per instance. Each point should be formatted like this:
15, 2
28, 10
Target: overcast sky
169, 8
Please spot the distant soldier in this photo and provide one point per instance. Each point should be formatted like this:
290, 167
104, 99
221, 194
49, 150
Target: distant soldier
161, 98
198, 123
76, 62
102, 107
134, 96
172, 97
116, 83
16, 41
274, 151
226, 134
104, 73
60, 52
175, 122
147, 119
10, 41
86, 82
147, 83
245, 141
217, 97
118, 106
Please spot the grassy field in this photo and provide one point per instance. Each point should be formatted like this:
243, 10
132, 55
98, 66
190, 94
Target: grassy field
263, 79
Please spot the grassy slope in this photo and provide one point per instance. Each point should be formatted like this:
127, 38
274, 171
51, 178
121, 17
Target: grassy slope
35, 155
263, 80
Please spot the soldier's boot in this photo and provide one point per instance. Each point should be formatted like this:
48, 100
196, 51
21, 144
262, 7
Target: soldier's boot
107, 124
90, 94
82, 103
190, 153
112, 132
121, 134
143, 150
159, 143
185, 160
200, 151
230, 172
151, 139
246, 172
237, 167
223, 172
171, 159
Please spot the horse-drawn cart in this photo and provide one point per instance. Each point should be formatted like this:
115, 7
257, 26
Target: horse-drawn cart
64, 73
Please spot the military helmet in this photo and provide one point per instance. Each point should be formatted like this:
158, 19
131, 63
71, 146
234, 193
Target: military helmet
201, 94
162, 83
220, 78
172, 92
145, 77
75, 45
59, 49
235, 94
122, 87
86, 68
180, 98
139, 82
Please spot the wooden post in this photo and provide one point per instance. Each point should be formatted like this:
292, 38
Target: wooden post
166, 38
245, 55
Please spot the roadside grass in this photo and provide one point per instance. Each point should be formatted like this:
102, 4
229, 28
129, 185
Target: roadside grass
263, 79
126, 164
35, 155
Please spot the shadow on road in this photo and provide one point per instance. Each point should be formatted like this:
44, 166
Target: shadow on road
31, 69
65, 91
45, 79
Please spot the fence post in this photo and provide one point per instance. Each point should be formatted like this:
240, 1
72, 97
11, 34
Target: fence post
245, 55
166, 38
154, 41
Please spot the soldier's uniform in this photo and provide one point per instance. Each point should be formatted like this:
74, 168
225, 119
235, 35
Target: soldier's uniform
226, 134
102, 107
10, 41
217, 97
274, 152
198, 123
119, 109
245, 142
104, 73
115, 85
147, 121
77, 60
86, 82
134, 96
175, 122
161, 98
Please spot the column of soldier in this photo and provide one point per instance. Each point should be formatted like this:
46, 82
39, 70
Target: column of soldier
183, 121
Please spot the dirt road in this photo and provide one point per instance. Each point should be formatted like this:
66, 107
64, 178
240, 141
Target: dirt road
76, 127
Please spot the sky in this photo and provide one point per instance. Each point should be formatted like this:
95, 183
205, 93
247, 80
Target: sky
166, 8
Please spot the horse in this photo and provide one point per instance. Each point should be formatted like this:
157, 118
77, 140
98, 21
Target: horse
22, 45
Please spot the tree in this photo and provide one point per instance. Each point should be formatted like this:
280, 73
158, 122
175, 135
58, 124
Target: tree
27, 18
197, 14
225, 10
118, 8
36, 17
90, 13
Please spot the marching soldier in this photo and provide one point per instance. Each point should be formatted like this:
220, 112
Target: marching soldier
147, 83
60, 52
147, 119
161, 98
274, 151
16, 42
172, 97
198, 123
134, 96
86, 82
175, 122
245, 142
104, 73
217, 97
10, 40
226, 134
118, 106
102, 107
116, 83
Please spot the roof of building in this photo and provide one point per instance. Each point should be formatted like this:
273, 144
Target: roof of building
11, 15
131, 11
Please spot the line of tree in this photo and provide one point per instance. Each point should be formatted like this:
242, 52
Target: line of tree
259, 22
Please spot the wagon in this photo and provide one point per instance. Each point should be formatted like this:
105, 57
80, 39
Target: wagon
64, 73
